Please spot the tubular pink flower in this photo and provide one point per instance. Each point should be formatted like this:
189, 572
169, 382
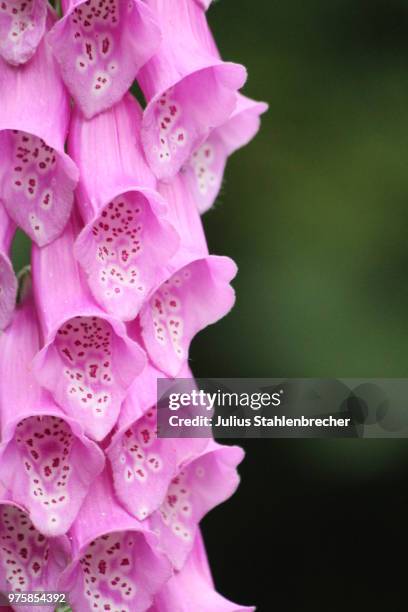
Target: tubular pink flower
188, 88
37, 178
100, 46
143, 465
127, 240
87, 362
192, 588
8, 281
195, 291
29, 560
200, 485
171, 483
205, 169
22, 26
46, 462
114, 562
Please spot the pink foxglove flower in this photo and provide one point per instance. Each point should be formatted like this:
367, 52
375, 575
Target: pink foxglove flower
207, 162
8, 281
29, 560
143, 465
22, 26
192, 588
205, 168
195, 291
37, 178
100, 46
46, 462
114, 559
121, 285
199, 486
87, 361
189, 89
172, 483
127, 240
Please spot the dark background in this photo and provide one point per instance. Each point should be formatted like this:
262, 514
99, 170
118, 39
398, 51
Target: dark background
315, 211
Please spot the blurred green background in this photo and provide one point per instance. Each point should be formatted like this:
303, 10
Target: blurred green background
315, 209
315, 212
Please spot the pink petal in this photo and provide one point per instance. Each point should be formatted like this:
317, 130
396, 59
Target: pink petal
114, 562
192, 588
8, 281
127, 239
199, 486
196, 296
195, 292
243, 124
88, 362
37, 185
100, 46
22, 26
56, 464
54, 461
37, 178
29, 561
205, 169
189, 89
143, 465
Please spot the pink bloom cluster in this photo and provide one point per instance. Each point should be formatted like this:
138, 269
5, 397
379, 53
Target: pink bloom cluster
92, 502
